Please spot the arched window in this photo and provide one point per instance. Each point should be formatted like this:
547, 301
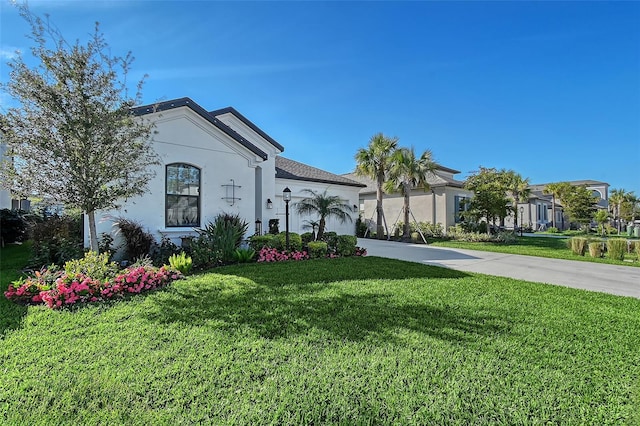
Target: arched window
182, 206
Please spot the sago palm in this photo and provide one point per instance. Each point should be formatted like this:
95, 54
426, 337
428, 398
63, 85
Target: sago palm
324, 206
406, 172
373, 162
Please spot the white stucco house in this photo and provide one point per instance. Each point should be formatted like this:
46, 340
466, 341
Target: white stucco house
219, 161
537, 212
441, 204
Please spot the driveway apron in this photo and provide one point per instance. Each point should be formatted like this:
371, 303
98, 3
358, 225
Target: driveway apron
613, 279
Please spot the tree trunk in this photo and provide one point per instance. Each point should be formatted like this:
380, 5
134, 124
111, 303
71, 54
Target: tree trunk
93, 235
406, 233
321, 225
379, 225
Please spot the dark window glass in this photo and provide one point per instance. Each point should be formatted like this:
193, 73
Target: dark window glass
183, 196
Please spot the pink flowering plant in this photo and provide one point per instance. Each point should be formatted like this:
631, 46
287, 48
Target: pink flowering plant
270, 254
58, 289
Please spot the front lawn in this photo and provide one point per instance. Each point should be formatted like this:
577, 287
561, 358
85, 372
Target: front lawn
352, 341
550, 247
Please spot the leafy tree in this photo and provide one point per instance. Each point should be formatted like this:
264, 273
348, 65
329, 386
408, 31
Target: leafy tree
325, 206
518, 189
556, 190
406, 172
601, 217
73, 133
579, 203
374, 162
490, 190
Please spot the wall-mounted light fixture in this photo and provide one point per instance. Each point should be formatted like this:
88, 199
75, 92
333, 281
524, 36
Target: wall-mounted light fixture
355, 207
269, 203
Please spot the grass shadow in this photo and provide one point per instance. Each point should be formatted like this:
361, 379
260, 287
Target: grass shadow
13, 258
348, 299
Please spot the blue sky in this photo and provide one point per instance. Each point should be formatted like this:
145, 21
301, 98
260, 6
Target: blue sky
548, 89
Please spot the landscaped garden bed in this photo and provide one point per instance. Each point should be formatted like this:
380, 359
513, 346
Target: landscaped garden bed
346, 340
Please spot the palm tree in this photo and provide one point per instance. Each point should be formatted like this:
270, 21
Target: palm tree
519, 191
555, 190
373, 162
325, 206
617, 197
407, 172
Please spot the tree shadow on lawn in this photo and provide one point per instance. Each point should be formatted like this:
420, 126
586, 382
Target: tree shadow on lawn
12, 259
317, 298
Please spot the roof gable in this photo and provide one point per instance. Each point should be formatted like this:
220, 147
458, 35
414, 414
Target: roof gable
187, 102
248, 123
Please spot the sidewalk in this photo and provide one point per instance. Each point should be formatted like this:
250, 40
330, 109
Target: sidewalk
613, 279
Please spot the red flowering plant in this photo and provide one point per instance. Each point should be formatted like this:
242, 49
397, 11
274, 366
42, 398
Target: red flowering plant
27, 290
87, 280
138, 279
270, 254
72, 289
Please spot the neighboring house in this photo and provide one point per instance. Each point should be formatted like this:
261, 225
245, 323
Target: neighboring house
537, 213
218, 161
442, 203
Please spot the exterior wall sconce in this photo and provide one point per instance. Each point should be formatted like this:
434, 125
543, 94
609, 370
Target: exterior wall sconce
269, 203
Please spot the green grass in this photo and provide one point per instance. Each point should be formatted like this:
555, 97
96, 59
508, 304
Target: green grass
351, 341
549, 247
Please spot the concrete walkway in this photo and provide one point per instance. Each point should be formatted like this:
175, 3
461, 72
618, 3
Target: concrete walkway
613, 279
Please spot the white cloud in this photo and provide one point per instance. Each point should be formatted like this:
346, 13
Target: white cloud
8, 52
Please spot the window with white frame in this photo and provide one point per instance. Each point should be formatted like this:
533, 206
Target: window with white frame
182, 205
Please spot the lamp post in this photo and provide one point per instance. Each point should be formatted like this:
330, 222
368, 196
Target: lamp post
286, 196
521, 220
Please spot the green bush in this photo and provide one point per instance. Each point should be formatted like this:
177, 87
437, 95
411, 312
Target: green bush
331, 238
160, 253
637, 247
56, 240
221, 237
553, 230
616, 248
578, 245
13, 227
346, 245
181, 262
295, 241
307, 237
257, 242
244, 255
317, 249
137, 241
595, 249
94, 265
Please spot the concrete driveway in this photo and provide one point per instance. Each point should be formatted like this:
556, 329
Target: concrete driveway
618, 280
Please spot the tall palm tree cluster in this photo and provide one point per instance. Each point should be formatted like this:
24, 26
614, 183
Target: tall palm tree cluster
395, 169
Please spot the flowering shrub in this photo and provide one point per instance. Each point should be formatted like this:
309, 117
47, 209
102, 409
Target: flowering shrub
71, 289
139, 279
28, 290
268, 254
360, 251
67, 289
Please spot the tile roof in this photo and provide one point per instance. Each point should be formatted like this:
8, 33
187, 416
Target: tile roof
434, 180
289, 169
